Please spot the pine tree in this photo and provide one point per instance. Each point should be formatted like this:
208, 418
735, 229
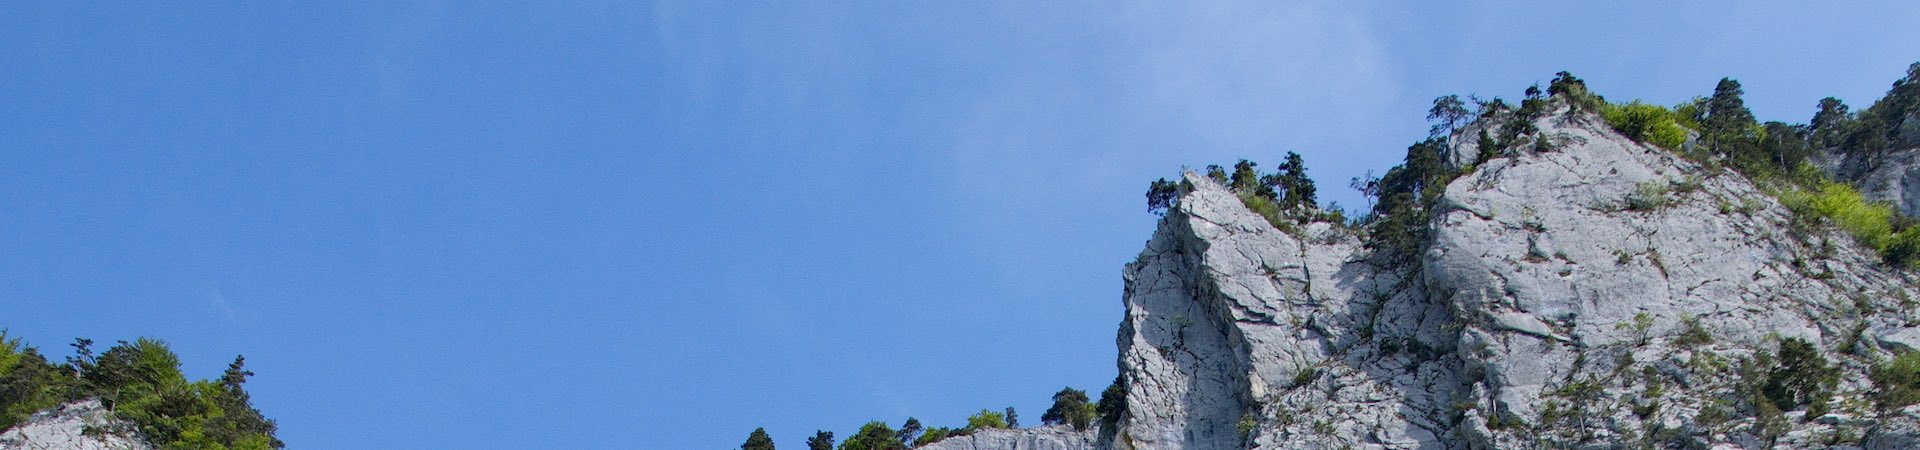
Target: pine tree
758, 440
910, 431
821, 440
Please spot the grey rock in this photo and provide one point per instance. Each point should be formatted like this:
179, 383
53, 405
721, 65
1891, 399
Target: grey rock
1547, 310
1058, 437
82, 425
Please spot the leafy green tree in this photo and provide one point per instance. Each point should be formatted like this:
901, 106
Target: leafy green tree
875, 435
910, 430
28, 382
1217, 173
1247, 180
986, 419
1448, 115
933, 435
821, 440
758, 440
1070, 406
1572, 88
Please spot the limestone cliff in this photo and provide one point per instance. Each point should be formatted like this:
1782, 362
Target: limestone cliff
83, 425
1592, 292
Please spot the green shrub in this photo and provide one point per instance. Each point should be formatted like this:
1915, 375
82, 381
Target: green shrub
1869, 222
1070, 406
142, 384
1649, 196
1645, 123
986, 418
1896, 383
1802, 377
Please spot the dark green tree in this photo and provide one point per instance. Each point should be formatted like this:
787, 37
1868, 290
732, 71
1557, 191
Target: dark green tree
1785, 145
1013, 420
1728, 120
910, 430
1574, 90
1399, 223
1802, 377
1161, 194
1829, 124
1246, 180
1218, 173
821, 440
758, 440
1070, 406
1113, 402
875, 435
1299, 194
1448, 115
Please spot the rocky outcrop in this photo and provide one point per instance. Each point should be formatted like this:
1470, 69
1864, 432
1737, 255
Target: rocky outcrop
82, 425
1056, 437
1238, 334
1588, 292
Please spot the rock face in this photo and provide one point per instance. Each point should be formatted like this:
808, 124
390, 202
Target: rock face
1589, 292
1893, 178
1057, 437
82, 425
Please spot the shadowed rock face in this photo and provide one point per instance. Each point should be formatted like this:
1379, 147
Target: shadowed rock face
67, 427
1893, 178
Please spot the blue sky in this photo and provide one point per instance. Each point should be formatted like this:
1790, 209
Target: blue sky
489, 225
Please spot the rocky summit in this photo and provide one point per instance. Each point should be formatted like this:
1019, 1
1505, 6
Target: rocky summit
1586, 291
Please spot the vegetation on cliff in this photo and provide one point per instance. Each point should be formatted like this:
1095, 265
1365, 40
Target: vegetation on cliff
141, 383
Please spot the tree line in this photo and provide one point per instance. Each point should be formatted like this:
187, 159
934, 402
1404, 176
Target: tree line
1071, 407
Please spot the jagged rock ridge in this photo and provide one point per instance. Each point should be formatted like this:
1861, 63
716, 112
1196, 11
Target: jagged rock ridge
1591, 292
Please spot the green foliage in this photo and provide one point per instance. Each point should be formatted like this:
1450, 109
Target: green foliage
1896, 383
758, 440
1161, 195
1285, 198
28, 383
1574, 90
911, 430
1650, 195
1871, 223
875, 435
933, 435
985, 419
1448, 115
142, 384
821, 440
1399, 224
1645, 123
1070, 406
1692, 334
1801, 378
1113, 402
1246, 425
